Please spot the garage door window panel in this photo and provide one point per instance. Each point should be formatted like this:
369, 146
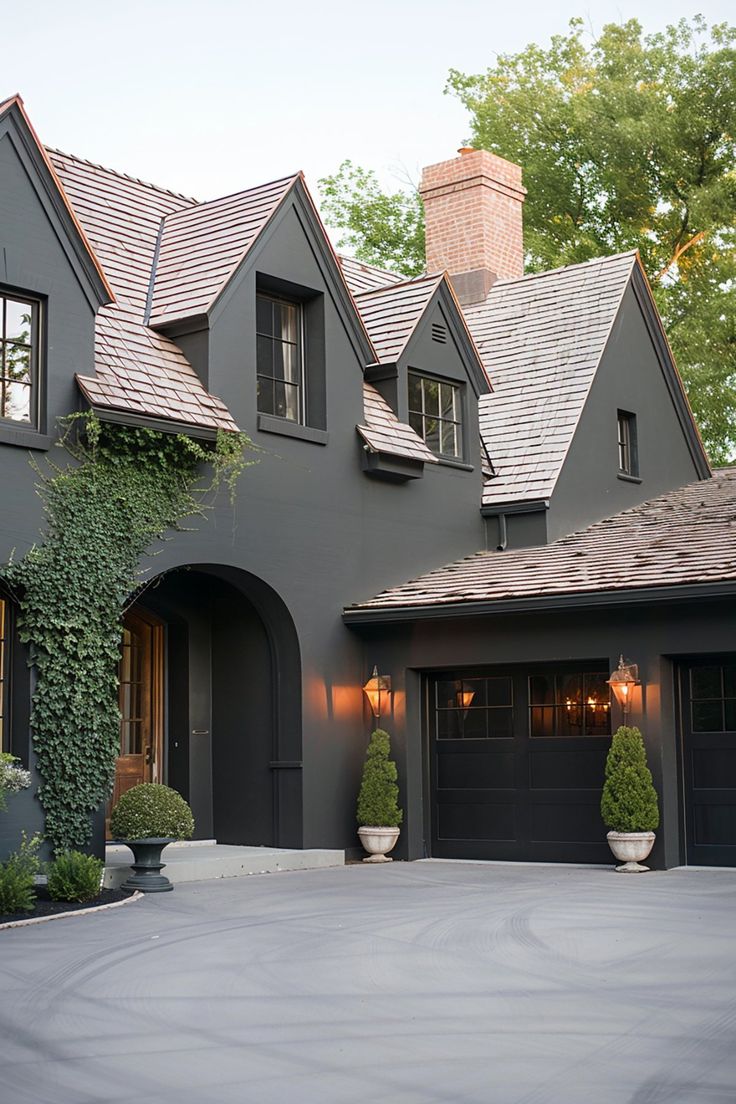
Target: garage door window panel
474, 709
569, 704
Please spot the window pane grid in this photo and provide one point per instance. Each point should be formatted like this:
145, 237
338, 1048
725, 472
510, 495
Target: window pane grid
434, 413
17, 326
279, 360
569, 704
713, 698
474, 708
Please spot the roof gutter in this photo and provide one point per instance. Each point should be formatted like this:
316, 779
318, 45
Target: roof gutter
541, 603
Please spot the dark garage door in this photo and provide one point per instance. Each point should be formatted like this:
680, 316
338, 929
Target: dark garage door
709, 760
516, 764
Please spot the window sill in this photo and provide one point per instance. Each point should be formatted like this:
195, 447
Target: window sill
268, 423
24, 437
446, 462
626, 478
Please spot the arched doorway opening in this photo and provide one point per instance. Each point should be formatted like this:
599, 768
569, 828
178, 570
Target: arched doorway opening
230, 702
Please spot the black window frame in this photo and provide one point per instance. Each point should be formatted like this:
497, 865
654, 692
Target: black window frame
557, 674
34, 345
300, 344
628, 452
418, 418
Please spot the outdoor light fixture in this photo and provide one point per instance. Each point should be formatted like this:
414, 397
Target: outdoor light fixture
622, 682
374, 688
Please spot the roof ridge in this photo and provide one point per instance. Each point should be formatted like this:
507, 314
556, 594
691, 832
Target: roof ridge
366, 264
554, 271
429, 276
121, 175
199, 204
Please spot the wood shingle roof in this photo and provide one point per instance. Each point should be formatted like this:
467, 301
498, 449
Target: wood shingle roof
683, 537
391, 313
541, 339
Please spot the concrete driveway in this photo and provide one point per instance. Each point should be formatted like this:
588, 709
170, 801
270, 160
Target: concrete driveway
422, 983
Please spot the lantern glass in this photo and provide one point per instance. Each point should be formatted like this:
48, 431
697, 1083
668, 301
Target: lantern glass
376, 686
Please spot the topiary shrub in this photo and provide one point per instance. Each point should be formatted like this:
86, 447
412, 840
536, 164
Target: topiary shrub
152, 811
629, 799
379, 791
17, 887
73, 876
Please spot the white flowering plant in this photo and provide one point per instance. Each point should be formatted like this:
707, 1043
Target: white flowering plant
12, 777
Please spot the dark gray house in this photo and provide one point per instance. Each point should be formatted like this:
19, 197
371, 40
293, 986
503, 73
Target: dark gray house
519, 447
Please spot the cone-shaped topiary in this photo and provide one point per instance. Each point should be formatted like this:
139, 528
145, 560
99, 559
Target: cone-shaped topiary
379, 791
629, 800
151, 811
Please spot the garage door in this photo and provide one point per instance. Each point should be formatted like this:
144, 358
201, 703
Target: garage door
709, 761
516, 763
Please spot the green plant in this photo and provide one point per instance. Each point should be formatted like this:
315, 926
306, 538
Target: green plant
74, 876
629, 800
12, 777
17, 893
379, 792
124, 489
151, 811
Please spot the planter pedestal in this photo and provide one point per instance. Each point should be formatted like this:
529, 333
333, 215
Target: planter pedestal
631, 848
147, 866
377, 841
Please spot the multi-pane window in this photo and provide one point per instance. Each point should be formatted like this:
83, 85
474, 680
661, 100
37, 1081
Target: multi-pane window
280, 358
713, 697
627, 453
435, 413
569, 704
474, 708
3, 679
18, 353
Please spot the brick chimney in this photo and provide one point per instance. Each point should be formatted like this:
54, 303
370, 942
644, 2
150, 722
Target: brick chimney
473, 215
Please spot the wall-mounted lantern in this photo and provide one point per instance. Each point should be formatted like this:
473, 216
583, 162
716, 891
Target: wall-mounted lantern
622, 682
377, 689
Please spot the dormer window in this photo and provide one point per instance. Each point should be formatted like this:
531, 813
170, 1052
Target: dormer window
18, 358
628, 461
279, 329
435, 413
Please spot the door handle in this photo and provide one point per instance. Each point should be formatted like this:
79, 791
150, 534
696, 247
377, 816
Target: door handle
148, 758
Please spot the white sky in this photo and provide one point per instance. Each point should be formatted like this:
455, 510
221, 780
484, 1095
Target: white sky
209, 98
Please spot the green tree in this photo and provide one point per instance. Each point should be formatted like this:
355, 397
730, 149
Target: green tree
628, 141
379, 791
629, 799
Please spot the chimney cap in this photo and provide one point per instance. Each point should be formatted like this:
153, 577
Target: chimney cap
466, 149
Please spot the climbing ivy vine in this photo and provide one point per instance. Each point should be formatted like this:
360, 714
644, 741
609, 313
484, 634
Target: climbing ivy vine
123, 489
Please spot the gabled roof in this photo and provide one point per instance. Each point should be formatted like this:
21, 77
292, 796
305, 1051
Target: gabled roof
138, 371
541, 339
384, 433
682, 539
391, 313
364, 277
99, 286
201, 247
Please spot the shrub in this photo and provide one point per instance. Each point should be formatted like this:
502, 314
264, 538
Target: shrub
629, 800
17, 891
379, 791
73, 876
151, 811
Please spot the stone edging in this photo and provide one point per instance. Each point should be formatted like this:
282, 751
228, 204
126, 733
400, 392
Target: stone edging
75, 912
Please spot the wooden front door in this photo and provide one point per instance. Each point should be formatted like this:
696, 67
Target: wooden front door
141, 702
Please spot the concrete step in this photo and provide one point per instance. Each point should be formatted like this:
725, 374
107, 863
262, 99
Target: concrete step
201, 860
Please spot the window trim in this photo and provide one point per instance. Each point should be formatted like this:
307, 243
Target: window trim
457, 459
628, 452
28, 432
273, 297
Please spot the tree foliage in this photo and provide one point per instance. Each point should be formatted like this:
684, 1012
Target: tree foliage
379, 792
125, 488
629, 799
626, 142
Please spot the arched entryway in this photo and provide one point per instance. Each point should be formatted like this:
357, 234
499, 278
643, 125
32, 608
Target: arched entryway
230, 702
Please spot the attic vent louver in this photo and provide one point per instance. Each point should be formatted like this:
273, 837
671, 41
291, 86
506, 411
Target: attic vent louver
439, 333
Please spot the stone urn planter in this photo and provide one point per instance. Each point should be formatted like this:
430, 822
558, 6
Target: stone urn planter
147, 818
378, 842
378, 813
631, 849
629, 804
146, 876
